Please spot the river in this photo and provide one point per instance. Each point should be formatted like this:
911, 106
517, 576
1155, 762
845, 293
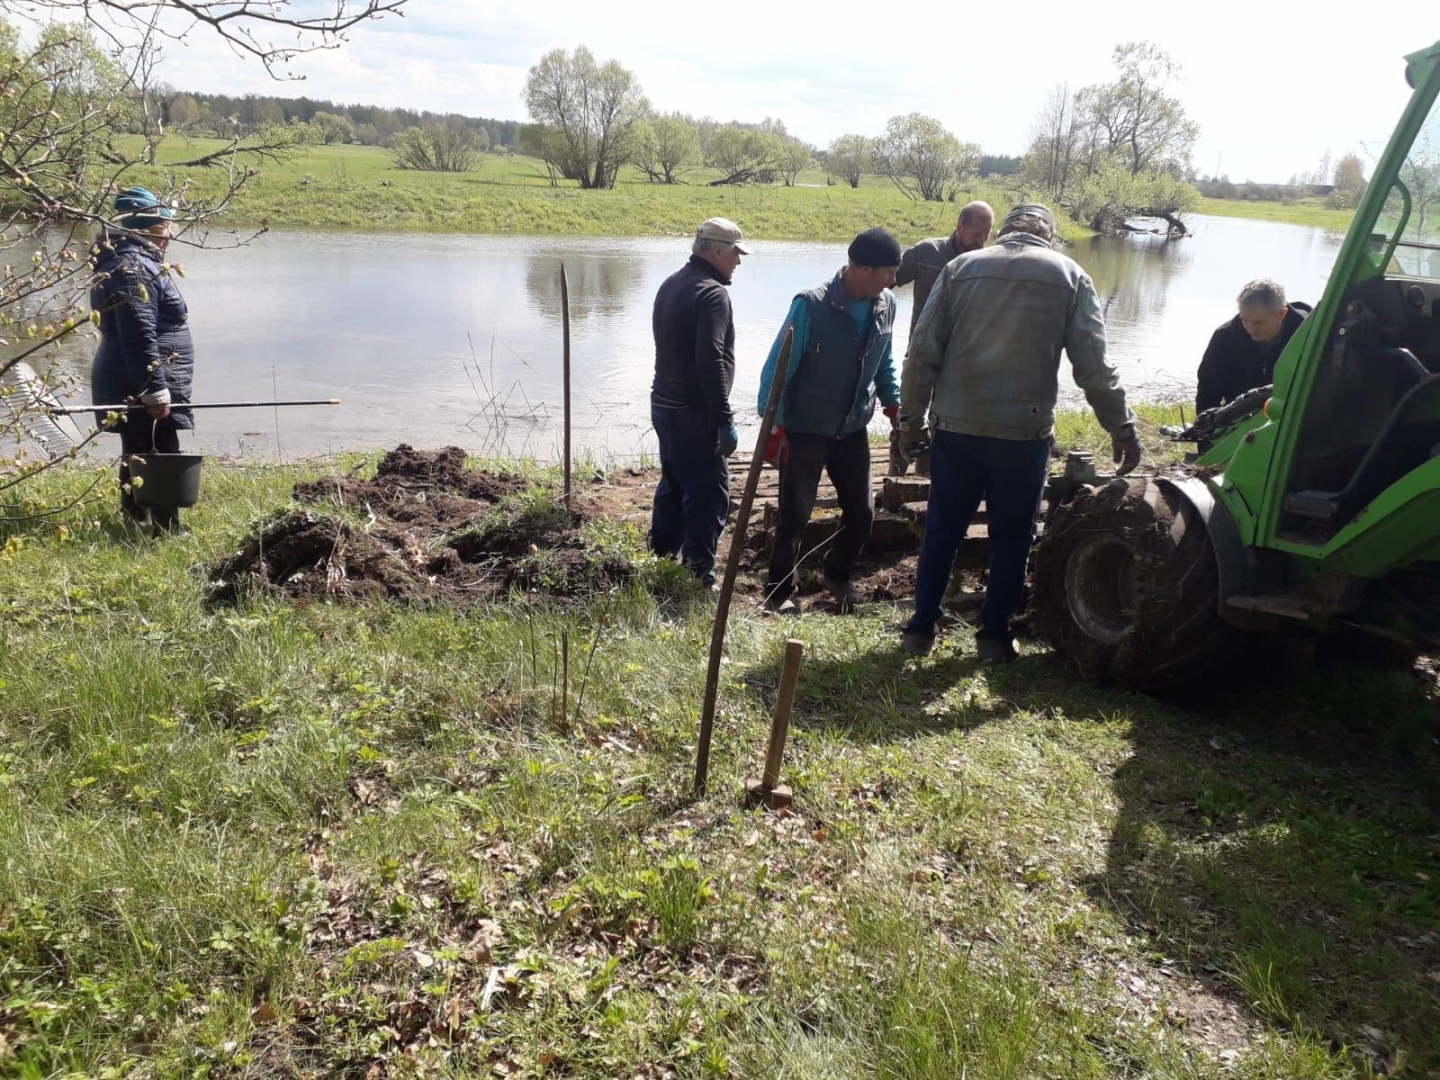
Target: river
435, 340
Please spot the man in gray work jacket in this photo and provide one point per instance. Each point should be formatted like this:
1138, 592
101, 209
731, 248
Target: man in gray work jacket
984, 363
921, 264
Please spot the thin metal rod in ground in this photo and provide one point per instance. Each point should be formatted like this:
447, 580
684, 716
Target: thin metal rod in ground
732, 567
565, 324
789, 676
275, 389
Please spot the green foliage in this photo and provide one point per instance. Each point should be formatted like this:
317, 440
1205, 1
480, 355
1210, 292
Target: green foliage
1137, 121
1116, 150
449, 148
339, 129
666, 148
1110, 195
59, 102
795, 157
923, 159
591, 113
744, 155
850, 157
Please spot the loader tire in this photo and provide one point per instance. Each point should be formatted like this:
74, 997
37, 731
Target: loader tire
1126, 588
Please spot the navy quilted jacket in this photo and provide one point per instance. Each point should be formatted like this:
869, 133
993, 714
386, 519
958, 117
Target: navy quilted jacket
145, 343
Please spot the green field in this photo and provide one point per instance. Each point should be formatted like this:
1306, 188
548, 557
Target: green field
1301, 212
363, 840
358, 187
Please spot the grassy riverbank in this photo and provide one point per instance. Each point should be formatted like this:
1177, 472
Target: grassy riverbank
358, 839
1302, 212
357, 187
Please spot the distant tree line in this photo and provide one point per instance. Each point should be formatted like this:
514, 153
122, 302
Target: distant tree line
590, 119
1340, 185
999, 165
1106, 154
224, 116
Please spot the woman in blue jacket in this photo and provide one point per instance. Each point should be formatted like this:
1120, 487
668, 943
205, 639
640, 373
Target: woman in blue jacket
146, 355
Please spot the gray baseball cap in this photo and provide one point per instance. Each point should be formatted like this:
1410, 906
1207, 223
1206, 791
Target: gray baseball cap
723, 231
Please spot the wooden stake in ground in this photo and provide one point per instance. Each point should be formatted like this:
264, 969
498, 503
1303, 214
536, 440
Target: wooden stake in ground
732, 567
565, 325
768, 789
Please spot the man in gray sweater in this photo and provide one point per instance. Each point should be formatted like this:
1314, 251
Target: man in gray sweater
984, 364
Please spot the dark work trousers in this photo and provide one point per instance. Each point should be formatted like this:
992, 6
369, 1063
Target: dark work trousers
847, 462
1010, 476
141, 433
692, 499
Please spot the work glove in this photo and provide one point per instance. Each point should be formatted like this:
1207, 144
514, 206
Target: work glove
914, 443
777, 447
1128, 451
726, 439
893, 412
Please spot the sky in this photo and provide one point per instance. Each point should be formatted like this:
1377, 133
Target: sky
1272, 88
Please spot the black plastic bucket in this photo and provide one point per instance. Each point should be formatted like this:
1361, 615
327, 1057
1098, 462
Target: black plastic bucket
166, 479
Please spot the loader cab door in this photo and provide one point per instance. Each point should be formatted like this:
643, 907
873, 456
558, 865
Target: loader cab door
1372, 406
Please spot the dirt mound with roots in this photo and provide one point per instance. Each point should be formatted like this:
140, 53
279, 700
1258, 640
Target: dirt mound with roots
432, 530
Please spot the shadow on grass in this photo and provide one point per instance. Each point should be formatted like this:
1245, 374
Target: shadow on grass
884, 695
1286, 842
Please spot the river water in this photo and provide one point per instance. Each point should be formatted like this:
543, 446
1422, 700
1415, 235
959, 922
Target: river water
435, 340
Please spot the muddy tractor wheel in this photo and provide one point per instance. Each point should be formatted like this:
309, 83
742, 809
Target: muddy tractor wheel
1126, 587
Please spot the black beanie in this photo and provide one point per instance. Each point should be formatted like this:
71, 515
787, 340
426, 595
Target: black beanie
875, 247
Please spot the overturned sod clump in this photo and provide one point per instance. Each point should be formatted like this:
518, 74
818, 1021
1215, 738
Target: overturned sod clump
425, 528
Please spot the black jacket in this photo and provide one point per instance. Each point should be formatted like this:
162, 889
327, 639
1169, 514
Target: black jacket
145, 343
694, 342
1234, 362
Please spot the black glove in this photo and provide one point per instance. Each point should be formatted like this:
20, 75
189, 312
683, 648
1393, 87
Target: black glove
913, 443
1128, 451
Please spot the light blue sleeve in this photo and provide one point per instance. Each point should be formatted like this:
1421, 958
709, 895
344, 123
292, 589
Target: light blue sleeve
799, 321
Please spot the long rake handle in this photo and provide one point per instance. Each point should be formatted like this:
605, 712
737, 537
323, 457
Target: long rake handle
732, 567
67, 409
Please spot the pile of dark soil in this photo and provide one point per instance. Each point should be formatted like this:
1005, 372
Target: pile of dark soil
424, 488
437, 531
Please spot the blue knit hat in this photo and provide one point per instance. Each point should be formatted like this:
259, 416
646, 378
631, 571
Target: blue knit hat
139, 209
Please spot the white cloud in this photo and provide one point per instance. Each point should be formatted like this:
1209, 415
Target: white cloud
1271, 91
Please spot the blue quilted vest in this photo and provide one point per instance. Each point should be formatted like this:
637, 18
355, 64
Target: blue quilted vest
833, 391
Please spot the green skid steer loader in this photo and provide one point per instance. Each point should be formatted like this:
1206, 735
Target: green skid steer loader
1313, 505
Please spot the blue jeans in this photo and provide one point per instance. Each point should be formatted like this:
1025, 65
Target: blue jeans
692, 499
1010, 477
